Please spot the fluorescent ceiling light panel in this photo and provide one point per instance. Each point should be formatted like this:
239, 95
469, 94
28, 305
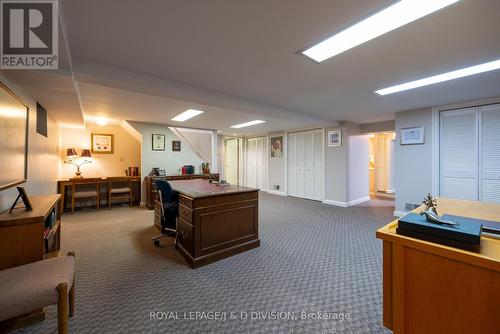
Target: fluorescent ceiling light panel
102, 121
464, 72
190, 113
244, 125
388, 19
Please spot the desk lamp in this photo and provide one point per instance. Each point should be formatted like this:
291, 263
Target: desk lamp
72, 158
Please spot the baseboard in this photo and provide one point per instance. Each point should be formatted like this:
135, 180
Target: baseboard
336, 203
142, 204
358, 201
398, 213
347, 204
274, 192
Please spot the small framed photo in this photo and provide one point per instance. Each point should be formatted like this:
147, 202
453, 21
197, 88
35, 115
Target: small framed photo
176, 145
276, 147
158, 142
335, 138
101, 143
412, 136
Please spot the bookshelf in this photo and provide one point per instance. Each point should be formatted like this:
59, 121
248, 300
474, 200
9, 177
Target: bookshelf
29, 236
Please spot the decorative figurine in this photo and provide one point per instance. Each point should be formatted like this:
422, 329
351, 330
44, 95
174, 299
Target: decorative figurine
431, 214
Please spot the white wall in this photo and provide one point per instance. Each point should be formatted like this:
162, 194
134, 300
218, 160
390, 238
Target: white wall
200, 139
43, 153
413, 163
358, 169
168, 160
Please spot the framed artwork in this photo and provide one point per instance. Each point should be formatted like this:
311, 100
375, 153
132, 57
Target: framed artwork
176, 145
412, 136
276, 147
102, 143
335, 138
158, 142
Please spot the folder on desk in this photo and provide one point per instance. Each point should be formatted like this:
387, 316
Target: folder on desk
466, 236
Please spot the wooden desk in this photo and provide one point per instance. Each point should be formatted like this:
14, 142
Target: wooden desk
215, 222
63, 184
26, 237
431, 288
151, 188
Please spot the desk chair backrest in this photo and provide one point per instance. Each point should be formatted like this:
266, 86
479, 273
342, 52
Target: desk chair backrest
166, 191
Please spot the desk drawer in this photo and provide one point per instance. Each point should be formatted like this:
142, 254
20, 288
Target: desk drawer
186, 213
186, 201
185, 235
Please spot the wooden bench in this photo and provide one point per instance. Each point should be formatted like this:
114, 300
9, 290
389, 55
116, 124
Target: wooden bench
36, 285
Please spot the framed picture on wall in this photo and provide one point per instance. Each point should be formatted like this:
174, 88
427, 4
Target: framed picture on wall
412, 136
158, 142
102, 143
335, 138
176, 145
276, 147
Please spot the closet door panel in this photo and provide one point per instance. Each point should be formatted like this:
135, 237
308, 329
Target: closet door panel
309, 165
490, 153
318, 161
459, 154
292, 164
300, 155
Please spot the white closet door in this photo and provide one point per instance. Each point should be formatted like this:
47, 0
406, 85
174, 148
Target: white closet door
309, 165
318, 164
459, 154
292, 164
490, 154
251, 164
300, 153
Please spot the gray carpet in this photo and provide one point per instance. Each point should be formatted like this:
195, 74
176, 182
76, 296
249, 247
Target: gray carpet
313, 257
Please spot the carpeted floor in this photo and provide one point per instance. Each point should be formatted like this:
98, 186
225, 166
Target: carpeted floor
313, 258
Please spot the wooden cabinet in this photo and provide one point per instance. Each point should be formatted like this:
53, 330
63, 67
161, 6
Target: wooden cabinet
151, 188
30, 236
432, 288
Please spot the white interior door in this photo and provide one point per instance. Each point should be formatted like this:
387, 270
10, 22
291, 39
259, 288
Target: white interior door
459, 153
490, 154
231, 161
292, 164
380, 163
305, 160
256, 163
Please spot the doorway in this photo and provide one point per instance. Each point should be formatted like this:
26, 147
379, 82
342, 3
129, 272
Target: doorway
381, 164
231, 161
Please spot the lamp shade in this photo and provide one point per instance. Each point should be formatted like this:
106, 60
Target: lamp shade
71, 153
86, 154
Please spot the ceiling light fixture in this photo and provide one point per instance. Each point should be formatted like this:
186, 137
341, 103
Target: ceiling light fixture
190, 113
244, 125
102, 121
464, 72
388, 19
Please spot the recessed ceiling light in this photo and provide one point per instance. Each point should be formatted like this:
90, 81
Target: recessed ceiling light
243, 125
102, 121
464, 72
190, 113
388, 19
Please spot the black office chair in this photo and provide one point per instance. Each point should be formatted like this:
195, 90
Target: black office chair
169, 209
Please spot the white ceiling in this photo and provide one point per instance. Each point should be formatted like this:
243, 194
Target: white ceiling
147, 60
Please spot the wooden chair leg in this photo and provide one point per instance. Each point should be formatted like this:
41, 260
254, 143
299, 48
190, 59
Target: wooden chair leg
98, 198
109, 196
62, 308
73, 200
72, 299
130, 197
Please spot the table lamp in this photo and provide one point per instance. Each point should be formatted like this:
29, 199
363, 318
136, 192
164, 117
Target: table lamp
72, 158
